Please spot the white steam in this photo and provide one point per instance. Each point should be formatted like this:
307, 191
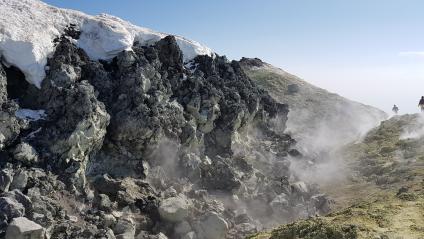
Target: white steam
415, 130
321, 132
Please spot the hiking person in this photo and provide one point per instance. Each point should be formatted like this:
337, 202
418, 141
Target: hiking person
395, 109
421, 104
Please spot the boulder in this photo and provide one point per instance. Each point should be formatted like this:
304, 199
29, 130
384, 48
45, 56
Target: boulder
104, 203
25, 153
292, 88
174, 209
20, 180
22, 228
20, 198
124, 228
220, 176
10, 208
321, 203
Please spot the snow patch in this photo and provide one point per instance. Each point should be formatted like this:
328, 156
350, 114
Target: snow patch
31, 115
103, 38
28, 28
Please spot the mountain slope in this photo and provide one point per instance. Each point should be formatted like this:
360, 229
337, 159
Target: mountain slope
389, 167
315, 114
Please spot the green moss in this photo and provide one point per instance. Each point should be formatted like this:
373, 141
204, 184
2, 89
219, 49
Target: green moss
408, 196
315, 229
384, 163
387, 150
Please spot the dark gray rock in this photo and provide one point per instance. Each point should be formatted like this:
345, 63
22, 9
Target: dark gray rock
20, 180
10, 126
5, 180
22, 228
20, 198
219, 176
10, 208
25, 154
125, 228
292, 88
3, 86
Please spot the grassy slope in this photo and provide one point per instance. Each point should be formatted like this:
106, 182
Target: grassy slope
384, 163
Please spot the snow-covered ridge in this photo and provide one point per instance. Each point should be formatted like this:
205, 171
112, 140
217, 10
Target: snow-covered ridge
28, 28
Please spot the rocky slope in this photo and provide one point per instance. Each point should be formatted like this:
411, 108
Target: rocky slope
386, 190
315, 114
321, 122
153, 136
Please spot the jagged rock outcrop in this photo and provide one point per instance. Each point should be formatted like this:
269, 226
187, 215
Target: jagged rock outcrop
147, 145
10, 126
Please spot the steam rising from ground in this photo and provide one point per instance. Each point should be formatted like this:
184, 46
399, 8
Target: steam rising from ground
414, 131
321, 128
322, 133
320, 121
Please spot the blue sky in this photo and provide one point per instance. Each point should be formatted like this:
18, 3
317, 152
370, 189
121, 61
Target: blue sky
371, 51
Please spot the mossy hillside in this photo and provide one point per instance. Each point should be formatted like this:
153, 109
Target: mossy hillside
386, 216
390, 171
387, 156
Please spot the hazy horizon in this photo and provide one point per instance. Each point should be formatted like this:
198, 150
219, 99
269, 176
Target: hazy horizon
367, 51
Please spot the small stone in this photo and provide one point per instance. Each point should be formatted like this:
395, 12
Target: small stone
2, 141
242, 218
189, 235
161, 236
300, 187
104, 202
108, 220
72, 218
292, 88
174, 209
170, 192
146, 235
117, 214
5, 180
22, 228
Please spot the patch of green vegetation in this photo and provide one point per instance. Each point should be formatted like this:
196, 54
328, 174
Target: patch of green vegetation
386, 156
408, 196
316, 228
384, 216
388, 162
